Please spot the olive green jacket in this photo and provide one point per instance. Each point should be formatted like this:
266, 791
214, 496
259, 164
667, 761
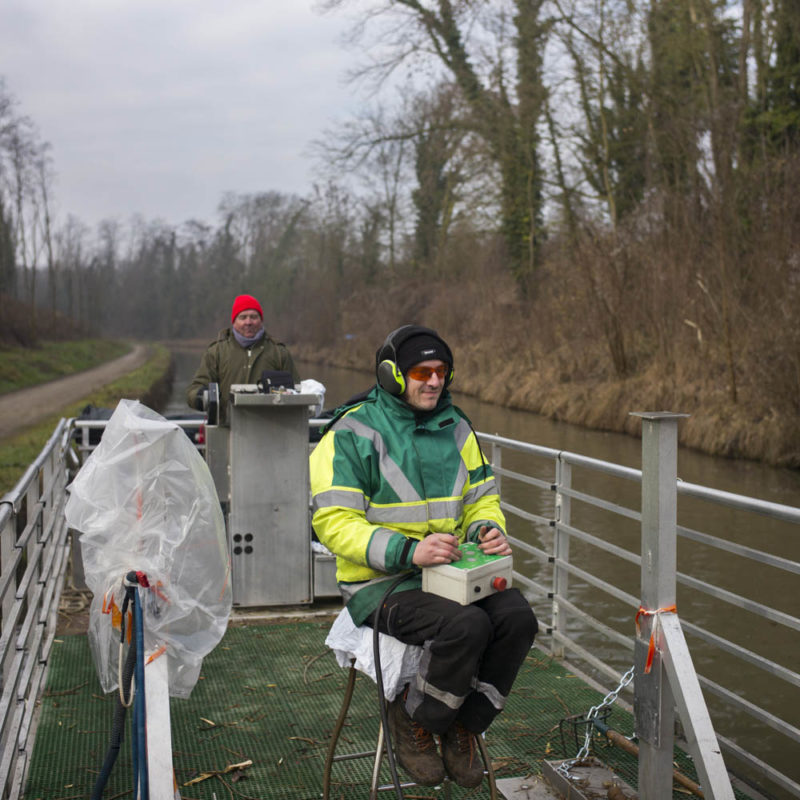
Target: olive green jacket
226, 362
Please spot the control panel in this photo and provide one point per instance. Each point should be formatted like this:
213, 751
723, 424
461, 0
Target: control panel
474, 577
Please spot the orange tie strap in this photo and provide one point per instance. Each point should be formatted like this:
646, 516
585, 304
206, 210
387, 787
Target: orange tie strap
651, 649
153, 656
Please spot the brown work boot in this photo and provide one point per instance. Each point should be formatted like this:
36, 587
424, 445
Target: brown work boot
461, 756
414, 746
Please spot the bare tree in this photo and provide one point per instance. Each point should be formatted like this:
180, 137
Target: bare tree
24, 183
71, 248
374, 148
44, 181
505, 94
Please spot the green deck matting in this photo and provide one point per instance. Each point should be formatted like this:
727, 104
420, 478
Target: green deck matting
271, 694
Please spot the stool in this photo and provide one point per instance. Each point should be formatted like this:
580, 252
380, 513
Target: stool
353, 649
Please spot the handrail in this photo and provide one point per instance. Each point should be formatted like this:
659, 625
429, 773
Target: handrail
13, 497
33, 539
537, 515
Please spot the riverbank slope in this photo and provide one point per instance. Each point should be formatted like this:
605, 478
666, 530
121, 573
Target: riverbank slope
25, 407
150, 381
716, 425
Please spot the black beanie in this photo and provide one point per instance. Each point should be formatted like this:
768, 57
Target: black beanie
422, 347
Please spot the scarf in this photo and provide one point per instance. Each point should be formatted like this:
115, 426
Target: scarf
244, 342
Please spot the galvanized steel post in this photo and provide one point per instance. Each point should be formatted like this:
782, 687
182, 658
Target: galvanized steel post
664, 674
653, 700
561, 541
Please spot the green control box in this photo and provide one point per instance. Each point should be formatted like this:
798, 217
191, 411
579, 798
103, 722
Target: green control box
472, 578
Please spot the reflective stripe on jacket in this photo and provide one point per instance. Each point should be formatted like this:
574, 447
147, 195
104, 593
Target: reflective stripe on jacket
383, 478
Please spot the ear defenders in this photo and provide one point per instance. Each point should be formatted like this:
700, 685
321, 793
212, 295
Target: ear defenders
390, 377
388, 373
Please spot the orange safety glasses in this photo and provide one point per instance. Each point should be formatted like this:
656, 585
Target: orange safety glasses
424, 373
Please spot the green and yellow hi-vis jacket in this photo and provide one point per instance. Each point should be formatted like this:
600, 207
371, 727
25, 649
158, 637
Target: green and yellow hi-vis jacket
382, 478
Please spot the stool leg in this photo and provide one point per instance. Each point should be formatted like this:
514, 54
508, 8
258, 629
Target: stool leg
376, 767
326, 780
487, 762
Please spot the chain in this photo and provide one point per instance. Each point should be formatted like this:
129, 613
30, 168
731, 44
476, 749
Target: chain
565, 766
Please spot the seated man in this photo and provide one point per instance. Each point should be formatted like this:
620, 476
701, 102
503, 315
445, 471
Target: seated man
398, 481
239, 355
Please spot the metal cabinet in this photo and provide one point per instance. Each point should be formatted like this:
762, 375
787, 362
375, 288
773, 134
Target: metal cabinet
268, 488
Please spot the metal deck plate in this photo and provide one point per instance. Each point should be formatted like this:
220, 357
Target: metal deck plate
270, 694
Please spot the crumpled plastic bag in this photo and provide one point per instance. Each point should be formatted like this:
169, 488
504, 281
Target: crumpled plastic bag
399, 662
145, 501
311, 386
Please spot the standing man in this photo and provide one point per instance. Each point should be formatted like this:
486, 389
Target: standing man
239, 355
398, 481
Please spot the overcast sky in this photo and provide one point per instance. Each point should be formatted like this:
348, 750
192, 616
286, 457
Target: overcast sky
159, 106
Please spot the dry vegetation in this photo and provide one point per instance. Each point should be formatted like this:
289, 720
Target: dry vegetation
22, 325
606, 333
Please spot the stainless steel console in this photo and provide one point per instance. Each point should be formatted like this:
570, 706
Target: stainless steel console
268, 529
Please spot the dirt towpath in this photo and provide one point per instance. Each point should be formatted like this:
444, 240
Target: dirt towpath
26, 407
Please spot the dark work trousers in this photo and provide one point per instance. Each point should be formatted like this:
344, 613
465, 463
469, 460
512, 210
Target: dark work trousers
471, 654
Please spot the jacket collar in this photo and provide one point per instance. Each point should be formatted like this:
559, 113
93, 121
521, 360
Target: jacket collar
398, 408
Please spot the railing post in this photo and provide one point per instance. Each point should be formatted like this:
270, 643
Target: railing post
497, 461
561, 541
86, 444
670, 679
653, 700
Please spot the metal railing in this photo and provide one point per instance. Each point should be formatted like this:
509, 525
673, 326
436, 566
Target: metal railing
576, 525
578, 534
34, 553
85, 442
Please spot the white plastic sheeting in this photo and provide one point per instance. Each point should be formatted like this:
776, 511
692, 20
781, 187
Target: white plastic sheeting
399, 662
145, 501
311, 386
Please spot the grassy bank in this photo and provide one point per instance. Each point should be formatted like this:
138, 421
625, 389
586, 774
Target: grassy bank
21, 367
716, 425
149, 384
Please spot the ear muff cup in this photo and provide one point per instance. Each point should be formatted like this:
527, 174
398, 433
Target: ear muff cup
390, 378
388, 374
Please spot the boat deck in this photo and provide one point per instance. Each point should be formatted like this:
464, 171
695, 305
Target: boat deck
270, 694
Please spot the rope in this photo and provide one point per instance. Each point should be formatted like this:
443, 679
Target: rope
129, 593
651, 648
125, 677
611, 697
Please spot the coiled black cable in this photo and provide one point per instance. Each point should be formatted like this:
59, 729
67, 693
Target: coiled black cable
379, 680
118, 723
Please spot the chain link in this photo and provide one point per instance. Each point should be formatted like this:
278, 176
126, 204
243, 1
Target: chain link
565, 766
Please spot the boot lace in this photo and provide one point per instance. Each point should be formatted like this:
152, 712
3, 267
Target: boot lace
423, 739
465, 741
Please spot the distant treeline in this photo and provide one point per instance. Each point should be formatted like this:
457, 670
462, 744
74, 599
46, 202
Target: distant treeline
607, 190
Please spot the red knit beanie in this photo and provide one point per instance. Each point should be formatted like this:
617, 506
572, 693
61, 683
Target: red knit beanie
245, 302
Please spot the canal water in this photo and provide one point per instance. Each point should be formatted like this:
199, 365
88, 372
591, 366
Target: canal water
775, 588
742, 477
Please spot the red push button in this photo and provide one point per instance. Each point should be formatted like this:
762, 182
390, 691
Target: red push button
499, 584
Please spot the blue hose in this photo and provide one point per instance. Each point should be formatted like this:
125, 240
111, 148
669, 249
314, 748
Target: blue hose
117, 725
134, 665
139, 708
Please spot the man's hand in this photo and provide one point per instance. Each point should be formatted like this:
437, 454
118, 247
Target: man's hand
436, 548
493, 542
199, 401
